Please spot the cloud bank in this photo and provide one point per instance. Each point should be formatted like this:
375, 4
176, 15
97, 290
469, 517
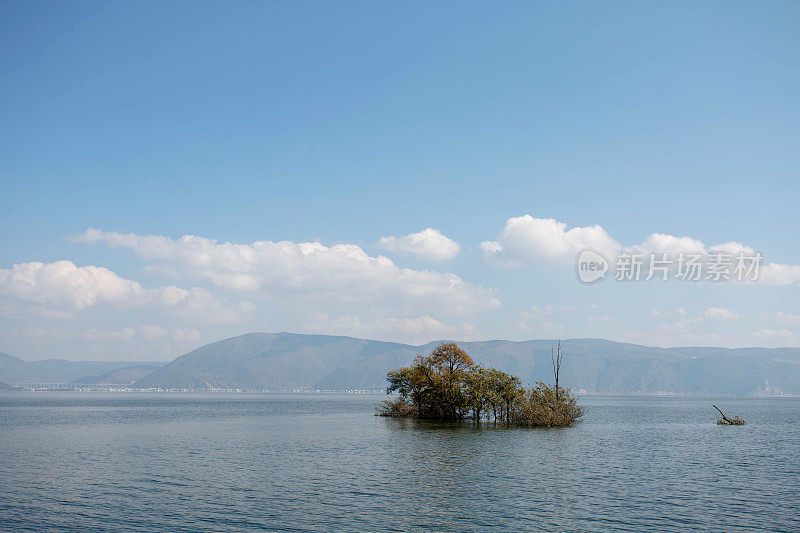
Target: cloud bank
528, 240
343, 272
62, 285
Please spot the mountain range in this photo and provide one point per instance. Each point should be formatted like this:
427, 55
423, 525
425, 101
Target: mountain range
287, 361
15, 370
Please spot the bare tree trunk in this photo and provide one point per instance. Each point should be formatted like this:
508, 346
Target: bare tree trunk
556, 359
723, 414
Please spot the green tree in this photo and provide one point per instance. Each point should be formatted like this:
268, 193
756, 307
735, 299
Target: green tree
446, 385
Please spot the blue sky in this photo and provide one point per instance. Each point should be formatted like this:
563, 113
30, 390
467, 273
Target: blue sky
344, 123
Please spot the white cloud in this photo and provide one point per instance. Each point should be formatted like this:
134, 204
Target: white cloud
717, 327
145, 332
678, 312
143, 342
783, 318
120, 335
660, 243
150, 332
428, 244
153, 333
411, 330
665, 337
491, 248
732, 248
720, 313
343, 272
527, 238
68, 288
780, 274
778, 337
64, 285
198, 303
538, 321
185, 335
599, 320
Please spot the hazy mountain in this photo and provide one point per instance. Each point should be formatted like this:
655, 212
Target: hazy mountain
15, 370
120, 376
6, 386
285, 361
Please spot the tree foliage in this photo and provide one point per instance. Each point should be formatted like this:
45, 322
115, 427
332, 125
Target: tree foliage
447, 385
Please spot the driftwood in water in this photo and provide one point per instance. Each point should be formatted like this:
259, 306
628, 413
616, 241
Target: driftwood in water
736, 421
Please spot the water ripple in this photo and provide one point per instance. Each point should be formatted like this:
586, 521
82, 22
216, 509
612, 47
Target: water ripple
196, 462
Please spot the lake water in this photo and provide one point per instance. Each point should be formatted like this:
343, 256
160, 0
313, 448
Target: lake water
231, 462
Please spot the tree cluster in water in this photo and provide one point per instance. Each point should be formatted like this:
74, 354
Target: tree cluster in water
447, 385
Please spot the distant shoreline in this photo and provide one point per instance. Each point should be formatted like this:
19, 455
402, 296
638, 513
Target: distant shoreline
29, 388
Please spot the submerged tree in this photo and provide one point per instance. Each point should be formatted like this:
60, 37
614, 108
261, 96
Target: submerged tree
725, 421
447, 385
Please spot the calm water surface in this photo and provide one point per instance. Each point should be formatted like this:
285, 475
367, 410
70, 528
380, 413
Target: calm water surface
215, 462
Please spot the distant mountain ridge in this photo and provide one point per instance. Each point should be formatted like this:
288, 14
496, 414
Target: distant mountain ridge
288, 361
283, 361
15, 370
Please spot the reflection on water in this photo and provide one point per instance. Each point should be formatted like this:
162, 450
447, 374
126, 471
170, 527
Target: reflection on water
198, 462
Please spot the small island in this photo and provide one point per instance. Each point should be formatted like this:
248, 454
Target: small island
448, 386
